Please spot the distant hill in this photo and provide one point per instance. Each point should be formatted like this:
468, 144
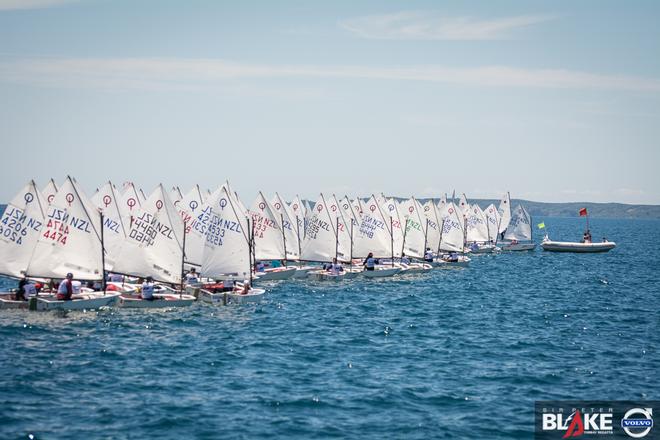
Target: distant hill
596, 210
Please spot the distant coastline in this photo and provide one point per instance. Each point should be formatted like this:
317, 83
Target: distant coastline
570, 209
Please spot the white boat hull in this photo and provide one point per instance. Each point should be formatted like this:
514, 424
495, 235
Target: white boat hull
303, 272
519, 247
162, 300
381, 273
277, 274
87, 302
322, 275
224, 298
567, 246
462, 261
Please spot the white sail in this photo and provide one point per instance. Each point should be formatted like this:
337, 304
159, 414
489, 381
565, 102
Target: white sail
190, 207
226, 249
351, 224
153, 246
463, 204
70, 239
520, 227
493, 221
505, 212
433, 224
394, 222
142, 195
268, 236
414, 237
49, 191
20, 228
320, 243
299, 213
373, 234
476, 227
176, 195
453, 236
290, 227
342, 228
114, 229
358, 209
130, 202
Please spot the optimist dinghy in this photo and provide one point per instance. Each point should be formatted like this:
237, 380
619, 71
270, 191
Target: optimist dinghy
164, 296
276, 273
382, 272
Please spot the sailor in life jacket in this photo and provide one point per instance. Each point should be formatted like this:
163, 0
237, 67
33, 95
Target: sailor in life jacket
369, 262
148, 289
191, 277
404, 259
336, 268
428, 255
259, 266
65, 289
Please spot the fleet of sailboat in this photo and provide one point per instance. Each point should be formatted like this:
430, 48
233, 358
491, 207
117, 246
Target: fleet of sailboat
207, 245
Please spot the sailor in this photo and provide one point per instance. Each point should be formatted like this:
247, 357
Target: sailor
228, 285
148, 289
474, 246
336, 268
369, 262
452, 257
191, 277
21, 294
259, 266
404, 259
65, 289
428, 255
246, 288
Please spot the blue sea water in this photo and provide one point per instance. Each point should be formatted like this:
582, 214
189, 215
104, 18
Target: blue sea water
458, 353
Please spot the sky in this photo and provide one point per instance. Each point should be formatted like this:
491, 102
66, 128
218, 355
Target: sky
550, 100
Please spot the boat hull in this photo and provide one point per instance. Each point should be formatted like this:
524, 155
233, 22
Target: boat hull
381, 273
283, 273
519, 247
567, 246
91, 302
167, 300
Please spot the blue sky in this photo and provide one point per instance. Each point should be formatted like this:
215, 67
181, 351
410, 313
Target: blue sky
553, 101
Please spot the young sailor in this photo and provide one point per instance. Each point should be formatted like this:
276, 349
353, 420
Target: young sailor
369, 262
65, 289
428, 255
336, 268
191, 277
148, 289
404, 259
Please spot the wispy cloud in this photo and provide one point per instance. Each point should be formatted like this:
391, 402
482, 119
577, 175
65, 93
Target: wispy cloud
202, 74
418, 25
12, 5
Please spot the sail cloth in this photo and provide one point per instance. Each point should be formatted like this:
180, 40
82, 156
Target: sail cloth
520, 227
373, 234
493, 221
342, 228
107, 201
176, 195
49, 191
350, 225
433, 224
153, 246
320, 243
452, 236
20, 228
463, 204
268, 236
414, 236
299, 212
190, 207
70, 239
505, 212
394, 221
226, 249
289, 225
476, 227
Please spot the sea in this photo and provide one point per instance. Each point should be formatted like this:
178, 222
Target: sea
453, 354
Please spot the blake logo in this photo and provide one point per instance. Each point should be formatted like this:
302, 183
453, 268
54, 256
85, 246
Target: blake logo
576, 428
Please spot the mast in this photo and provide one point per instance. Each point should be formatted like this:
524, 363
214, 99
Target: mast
102, 255
250, 232
283, 236
426, 232
298, 237
351, 262
183, 257
392, 238
336, 238
442, 230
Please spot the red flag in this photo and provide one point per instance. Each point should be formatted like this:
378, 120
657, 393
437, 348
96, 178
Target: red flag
583, 212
